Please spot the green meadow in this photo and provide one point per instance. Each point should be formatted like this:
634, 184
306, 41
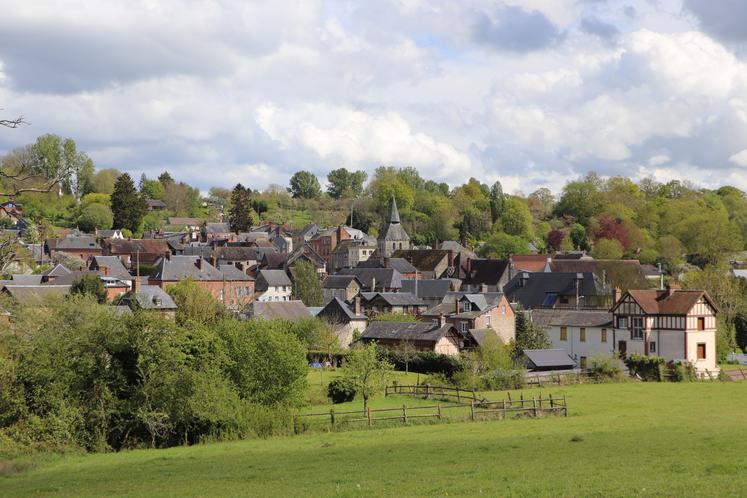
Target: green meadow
630, 439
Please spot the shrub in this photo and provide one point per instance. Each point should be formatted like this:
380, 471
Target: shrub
604, 368
425, 362
684, 372
341, 390
649, 368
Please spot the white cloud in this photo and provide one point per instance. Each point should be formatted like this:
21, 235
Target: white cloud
740, 158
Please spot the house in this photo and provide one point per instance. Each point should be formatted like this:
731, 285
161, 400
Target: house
679, 325
306, 253
432, 291
583, 334
487, 275
190, 225
216, 231
557, 290
375, 303
345, 321
344, 287
246, 257
349, 253
83, 247
441, 338
548, 360
301, 237
109, 234
376, 279
134, 251
234, 289
111, 266
404, 267
461, 256
150, 298
49, 276
156, 205
273, 285
623, 273
273, 260
115, 286
469, 312
393, 236
430, 263
278, 310
325, 241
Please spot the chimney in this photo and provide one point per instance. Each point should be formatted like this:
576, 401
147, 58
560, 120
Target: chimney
198, 263
339, 233
672, 287
523, 278
136, 285
373, 284
617, 295
104, 270
168, 256
451, 258
441, 320
357, 305
483, 288
469, 266
386, 262
456, 306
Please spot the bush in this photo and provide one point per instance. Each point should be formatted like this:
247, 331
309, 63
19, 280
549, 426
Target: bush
500, 380
684, 372
649, 368
425, 362
604, 368
341, 390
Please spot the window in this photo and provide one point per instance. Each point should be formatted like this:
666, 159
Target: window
637, 331
701, 323
652, 347
582, 363
604, 335
701, 351
490, 320
503, 309
582, 334
463, 326
622, 322
563, 299
563, 333
466, 306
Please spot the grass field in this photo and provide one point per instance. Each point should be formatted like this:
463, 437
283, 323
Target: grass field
629, 439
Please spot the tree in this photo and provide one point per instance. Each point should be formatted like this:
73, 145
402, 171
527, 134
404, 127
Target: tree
241, 216
151, 189
103, 180
515, 218
165, 178
90, 285
528, 335
181, 199
503, 245
608, 249
306, 285
128, 206
194, 303
581, 200
578, 237
95, 216
497, 200
304, 185
367, 371
343, 182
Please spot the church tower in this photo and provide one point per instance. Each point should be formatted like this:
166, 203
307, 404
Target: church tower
393, 237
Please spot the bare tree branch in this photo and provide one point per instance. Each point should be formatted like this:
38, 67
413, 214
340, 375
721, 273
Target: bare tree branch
12, 123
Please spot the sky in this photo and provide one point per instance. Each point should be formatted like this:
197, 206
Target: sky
529, 92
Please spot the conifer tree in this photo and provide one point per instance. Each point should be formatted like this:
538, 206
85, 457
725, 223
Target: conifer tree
128, 206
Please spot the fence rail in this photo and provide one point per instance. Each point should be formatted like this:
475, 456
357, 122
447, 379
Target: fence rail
534, 407
428, 391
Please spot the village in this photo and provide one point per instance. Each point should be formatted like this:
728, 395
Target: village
442, 299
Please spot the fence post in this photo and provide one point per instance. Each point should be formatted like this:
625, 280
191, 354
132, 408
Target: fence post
534, 406
565, 407
551, 402
404, 413
504, 409
439, 411
511, 403
459, 397
332, 416
472, 410
386, 391
427, 390
368, 410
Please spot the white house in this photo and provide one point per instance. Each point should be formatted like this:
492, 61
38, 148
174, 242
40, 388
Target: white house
582, 334
679, 325
273, 285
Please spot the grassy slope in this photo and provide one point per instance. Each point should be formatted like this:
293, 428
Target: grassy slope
635, 439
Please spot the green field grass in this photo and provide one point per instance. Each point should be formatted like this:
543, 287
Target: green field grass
630, 439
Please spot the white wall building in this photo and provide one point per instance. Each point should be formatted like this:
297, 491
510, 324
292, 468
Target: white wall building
582, 334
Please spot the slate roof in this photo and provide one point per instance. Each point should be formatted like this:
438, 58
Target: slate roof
422, 259
237, 253
176, 268
618, 271
549, 358
114, 265
484, 336
150, 297
339, 281
133, 246
58, 271
660, 302
283, 310
273, 260
570, 318
337, 311
156, 203
36, 294
486, 271
536, 290
401, 265
394, 229
105, 234
385, 277
273, 278
306, 252
217, 228
19, 279
406, 331
233, 274
427, 289
77, 243
394, 298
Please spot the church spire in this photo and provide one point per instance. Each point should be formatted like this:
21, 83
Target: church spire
393, 211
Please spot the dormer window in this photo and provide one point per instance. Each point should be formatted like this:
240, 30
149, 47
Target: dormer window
466, 306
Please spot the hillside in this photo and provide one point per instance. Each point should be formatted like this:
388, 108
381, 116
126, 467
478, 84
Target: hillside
619, 440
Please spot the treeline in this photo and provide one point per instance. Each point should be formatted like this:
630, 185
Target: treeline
74, 374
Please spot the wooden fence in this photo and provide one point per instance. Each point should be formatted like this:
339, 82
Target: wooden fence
478, 410
428, 391
541, 379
